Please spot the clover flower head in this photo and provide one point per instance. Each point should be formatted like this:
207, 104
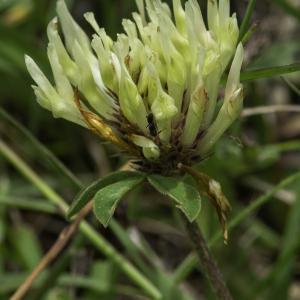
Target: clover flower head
153, 91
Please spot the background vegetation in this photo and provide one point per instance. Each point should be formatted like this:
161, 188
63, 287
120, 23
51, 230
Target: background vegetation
257, 162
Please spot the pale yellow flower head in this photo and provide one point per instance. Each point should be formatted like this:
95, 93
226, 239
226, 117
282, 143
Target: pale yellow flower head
154, 90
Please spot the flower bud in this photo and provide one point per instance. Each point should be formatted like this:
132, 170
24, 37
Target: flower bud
164, 109
231, 107
68, 65
180, 17
71, 29
229, 111
150, 149
195, 115
131, 102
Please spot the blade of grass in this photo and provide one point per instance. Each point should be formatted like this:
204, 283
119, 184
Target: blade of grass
269, 72
288, 146
247, 19
282, 271
41, 148
291, 85
269, 236
191, 261
26, 204
9, 282
98, 240
130, 247
26, 244
267, 282
67, 280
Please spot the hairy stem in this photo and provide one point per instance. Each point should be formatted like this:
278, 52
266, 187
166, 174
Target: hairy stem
209, 265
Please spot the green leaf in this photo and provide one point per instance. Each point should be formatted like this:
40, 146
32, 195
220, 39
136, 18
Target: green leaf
182, 190
89, 192
108, 197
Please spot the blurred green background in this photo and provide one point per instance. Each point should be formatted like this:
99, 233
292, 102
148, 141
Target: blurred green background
262, 259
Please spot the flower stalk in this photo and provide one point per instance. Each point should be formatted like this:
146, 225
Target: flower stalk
209, 265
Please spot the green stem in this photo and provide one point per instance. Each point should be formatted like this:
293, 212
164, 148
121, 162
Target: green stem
99, 242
